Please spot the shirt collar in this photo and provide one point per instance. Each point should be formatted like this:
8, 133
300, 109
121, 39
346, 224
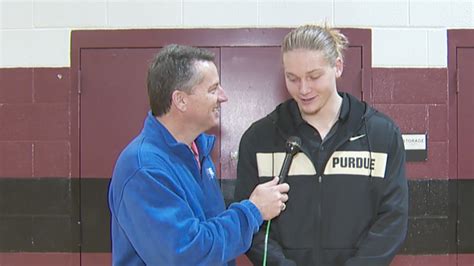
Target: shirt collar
345, 106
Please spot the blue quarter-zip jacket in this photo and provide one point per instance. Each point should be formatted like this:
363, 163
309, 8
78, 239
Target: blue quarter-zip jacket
166, 210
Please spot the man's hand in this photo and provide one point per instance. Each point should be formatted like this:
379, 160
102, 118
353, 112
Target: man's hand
270, 198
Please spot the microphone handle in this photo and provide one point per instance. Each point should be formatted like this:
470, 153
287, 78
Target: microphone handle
285, 168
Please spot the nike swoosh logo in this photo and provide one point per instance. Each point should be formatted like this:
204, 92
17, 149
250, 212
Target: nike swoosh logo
356, 137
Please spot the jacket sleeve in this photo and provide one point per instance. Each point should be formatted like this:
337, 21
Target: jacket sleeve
155, 214
388, 232
247, 180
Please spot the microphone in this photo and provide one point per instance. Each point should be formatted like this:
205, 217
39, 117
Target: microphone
293, 146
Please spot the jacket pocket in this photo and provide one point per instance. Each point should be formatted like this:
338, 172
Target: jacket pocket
295, 226
336, 256
301, 256
347, 210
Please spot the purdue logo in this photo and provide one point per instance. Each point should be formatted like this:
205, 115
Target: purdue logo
357, 163
351, 162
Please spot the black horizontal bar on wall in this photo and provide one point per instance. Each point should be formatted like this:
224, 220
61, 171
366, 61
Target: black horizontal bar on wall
41, 215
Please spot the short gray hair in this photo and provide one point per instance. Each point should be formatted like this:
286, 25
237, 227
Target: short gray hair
173, 68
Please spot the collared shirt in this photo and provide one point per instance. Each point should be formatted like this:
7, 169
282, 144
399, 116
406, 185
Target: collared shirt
318, 147
195, 151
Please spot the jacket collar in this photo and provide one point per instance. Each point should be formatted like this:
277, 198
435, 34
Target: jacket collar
159, 134
287, 116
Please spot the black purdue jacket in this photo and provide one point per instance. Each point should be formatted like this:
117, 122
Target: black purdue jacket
352, 211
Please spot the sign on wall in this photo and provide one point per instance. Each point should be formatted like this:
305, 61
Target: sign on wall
415, 147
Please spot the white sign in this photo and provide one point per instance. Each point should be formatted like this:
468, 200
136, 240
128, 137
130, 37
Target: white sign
414, 141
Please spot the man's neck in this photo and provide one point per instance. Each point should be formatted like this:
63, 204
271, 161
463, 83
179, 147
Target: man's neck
325, 118
179, 129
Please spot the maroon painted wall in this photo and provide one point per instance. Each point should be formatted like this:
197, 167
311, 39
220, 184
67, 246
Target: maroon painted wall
34, 117
417, 100
35, 137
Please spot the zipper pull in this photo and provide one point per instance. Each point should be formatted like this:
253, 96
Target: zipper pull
320, 179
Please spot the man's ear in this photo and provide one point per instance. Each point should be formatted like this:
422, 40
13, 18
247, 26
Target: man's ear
179, 100
339, 67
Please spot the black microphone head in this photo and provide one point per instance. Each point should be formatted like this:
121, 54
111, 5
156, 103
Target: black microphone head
293, 145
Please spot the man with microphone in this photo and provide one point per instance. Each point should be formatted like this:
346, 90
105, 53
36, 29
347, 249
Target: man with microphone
165, 201
349, 197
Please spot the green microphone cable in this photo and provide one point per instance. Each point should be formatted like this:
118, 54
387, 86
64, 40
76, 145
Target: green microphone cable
266, 243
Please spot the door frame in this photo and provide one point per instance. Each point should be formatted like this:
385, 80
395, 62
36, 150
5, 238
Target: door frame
459, 187
458, 38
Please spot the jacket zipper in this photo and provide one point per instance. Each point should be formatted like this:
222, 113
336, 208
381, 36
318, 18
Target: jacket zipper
320, 190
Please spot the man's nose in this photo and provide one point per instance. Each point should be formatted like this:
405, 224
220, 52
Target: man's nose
221, 97
304, 87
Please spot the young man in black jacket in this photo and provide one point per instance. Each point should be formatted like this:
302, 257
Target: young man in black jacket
349, 196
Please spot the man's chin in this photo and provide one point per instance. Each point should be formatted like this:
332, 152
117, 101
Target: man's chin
309, 111
213, 126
